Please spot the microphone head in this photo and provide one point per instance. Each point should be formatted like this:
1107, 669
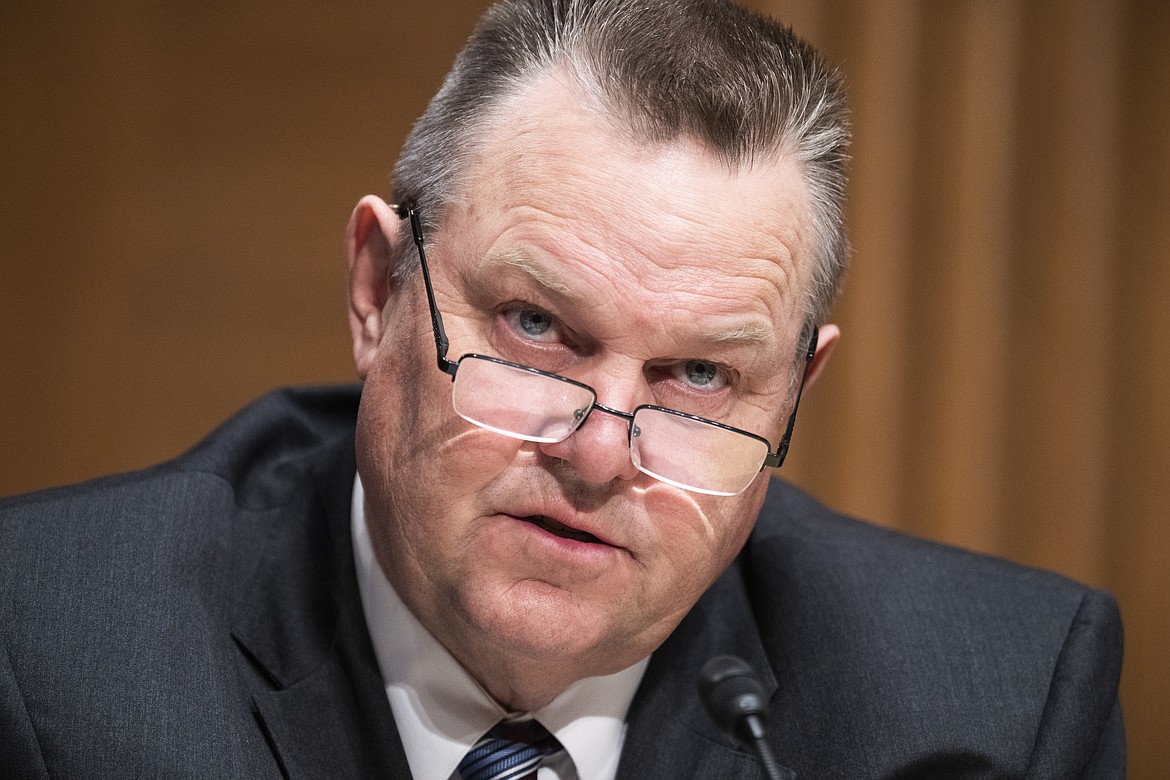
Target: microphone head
732, 693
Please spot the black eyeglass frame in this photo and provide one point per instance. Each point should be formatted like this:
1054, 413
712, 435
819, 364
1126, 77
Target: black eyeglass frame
775, 459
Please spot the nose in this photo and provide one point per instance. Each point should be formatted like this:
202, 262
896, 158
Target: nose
599, 451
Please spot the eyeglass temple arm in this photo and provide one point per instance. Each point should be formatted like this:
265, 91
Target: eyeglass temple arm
407, 210
775, 461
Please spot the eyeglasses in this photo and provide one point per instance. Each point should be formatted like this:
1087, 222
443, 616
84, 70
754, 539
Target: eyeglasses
680, 449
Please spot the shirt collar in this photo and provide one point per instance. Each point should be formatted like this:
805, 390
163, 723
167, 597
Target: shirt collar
441, 711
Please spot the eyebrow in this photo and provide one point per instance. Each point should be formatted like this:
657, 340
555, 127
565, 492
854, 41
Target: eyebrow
751, 333
512, 261
746, 334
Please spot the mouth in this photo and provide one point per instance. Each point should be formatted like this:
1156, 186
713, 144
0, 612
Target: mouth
560, 529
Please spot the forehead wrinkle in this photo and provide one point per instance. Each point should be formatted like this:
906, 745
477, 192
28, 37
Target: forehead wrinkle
713, 258
742, 298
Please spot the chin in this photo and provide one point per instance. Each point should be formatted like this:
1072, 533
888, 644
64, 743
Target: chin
547, 624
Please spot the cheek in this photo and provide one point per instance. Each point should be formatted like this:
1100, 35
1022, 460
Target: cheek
423, 454
422, 466
698, 536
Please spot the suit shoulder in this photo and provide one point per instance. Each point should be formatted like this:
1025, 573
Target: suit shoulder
793, 523
973, 650
279, 429
865, 588
286, 449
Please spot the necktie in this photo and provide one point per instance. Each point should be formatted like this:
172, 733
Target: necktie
510, 751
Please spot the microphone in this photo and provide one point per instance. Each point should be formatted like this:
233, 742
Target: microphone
735, 699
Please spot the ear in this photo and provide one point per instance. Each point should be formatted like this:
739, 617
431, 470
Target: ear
373, 231
826, 340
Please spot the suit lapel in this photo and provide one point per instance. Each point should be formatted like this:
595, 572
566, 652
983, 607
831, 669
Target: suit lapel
318, 694
670, 733
331, 723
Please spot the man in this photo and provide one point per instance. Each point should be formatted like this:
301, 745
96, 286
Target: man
583, 328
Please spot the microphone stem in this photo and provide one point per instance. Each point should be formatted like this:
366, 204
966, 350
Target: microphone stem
753, 728
771, 768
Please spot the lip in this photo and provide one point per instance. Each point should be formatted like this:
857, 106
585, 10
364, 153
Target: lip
555, 522
564, 553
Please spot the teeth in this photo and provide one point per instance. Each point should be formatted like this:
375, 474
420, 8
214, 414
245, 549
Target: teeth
560, 529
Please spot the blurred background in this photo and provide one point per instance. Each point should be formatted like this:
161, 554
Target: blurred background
175, 180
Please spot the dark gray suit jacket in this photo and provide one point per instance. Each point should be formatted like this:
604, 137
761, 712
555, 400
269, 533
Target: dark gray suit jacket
201, 619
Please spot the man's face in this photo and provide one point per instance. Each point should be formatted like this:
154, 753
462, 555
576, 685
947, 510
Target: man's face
654, 274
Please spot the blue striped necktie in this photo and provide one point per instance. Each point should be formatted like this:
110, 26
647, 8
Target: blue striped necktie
510, 751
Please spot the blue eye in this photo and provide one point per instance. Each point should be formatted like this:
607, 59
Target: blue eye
701, 374
534, 322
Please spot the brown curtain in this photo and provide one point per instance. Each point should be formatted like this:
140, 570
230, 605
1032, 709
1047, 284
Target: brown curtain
176, 179
1003, 376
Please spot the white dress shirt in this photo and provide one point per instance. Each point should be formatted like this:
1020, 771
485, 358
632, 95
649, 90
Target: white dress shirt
441, 711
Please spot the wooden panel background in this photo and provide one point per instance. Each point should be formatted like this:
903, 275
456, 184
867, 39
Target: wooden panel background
176, 180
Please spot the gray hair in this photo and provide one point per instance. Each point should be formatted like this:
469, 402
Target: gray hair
709, 70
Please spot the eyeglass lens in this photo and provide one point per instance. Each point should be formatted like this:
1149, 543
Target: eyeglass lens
694, 454
517, 402
672, 447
